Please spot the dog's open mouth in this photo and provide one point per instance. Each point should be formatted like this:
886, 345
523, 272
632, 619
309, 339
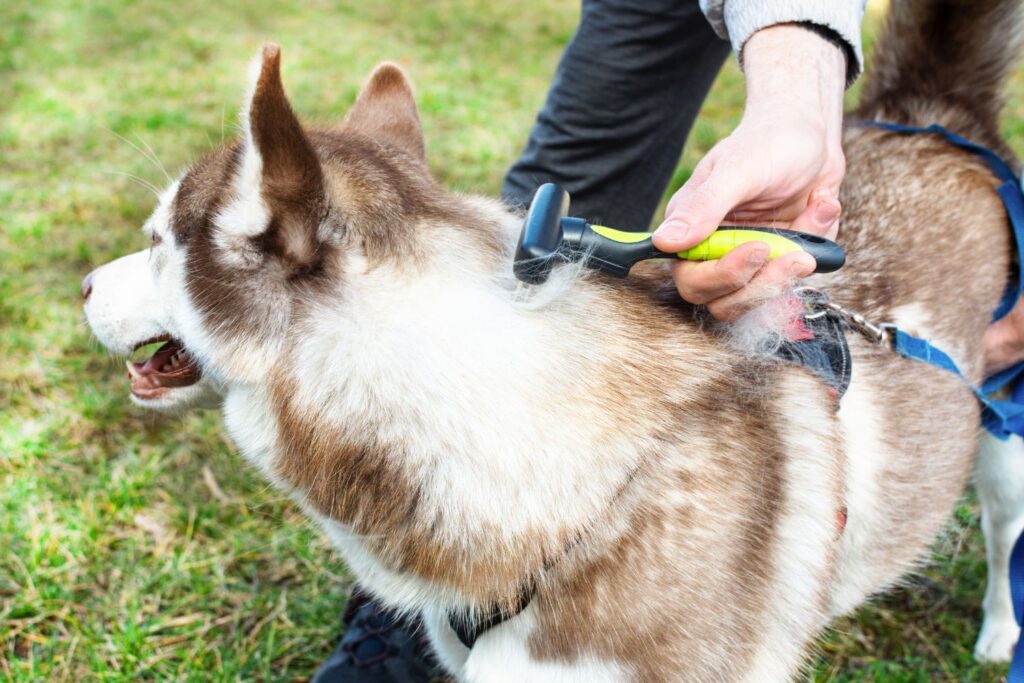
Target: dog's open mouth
169, 367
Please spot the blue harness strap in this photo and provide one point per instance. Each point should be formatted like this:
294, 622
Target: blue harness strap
1009, 192
1002, 418
1016, 674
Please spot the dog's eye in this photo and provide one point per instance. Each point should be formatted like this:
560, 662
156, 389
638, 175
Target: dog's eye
155, 239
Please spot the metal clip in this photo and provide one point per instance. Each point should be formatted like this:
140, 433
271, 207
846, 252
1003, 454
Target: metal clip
818, 305
814, 300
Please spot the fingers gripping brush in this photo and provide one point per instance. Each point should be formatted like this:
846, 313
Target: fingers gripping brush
550, 236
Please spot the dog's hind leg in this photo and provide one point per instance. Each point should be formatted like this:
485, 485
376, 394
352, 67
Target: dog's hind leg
999, 478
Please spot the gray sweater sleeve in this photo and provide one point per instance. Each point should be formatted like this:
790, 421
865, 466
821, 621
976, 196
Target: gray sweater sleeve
737, 20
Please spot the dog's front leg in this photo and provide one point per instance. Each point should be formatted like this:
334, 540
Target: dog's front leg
999, 478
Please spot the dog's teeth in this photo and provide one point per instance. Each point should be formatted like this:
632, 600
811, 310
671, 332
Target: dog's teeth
132, 370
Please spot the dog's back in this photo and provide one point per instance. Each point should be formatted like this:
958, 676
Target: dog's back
929, 248
944, 62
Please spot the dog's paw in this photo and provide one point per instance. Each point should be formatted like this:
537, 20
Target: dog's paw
996, 641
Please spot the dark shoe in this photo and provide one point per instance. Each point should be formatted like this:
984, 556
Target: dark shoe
379, 646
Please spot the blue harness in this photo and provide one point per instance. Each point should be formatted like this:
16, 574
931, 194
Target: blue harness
1000, 417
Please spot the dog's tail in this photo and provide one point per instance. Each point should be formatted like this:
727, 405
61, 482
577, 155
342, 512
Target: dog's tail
944, 61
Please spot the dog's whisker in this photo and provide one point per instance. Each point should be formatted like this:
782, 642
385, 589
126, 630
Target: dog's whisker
141, 181
138, 149
155, 159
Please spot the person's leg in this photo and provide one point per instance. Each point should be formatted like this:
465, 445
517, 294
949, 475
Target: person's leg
379, 646
622, 102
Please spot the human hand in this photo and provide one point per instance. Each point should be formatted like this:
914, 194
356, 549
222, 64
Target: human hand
781, 167
1004, 341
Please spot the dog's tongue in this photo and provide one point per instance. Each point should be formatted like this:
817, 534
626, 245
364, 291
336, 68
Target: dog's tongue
171, 366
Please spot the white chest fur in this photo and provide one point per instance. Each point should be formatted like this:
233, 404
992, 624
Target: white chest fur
491, 405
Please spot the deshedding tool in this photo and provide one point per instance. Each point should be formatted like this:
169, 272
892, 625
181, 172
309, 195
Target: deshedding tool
550, 236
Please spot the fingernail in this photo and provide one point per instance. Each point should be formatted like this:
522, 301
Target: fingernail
825, 213
673, 230
757, 258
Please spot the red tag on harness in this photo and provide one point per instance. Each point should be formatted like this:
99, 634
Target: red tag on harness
790, 310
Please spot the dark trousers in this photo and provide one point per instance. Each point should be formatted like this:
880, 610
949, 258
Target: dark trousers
622, 102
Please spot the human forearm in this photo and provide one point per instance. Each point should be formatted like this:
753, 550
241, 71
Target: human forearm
740, 20
790, 69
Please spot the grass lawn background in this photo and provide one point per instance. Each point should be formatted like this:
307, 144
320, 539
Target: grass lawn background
139, 547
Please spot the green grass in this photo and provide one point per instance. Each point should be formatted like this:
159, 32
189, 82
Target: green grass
139, 547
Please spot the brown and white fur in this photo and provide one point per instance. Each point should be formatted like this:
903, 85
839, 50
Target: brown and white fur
673, 500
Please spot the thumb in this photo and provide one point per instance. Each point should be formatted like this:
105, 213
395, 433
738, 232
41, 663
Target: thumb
821, 217
1003, 342
697, 209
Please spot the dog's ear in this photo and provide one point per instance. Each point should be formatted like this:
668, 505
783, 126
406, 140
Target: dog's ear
280, 184
385, 110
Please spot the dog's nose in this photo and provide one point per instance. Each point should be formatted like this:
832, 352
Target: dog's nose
87, 286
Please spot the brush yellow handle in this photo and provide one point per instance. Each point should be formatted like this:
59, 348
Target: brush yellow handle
828, 255
722, 242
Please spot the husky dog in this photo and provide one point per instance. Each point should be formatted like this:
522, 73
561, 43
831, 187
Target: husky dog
669, 504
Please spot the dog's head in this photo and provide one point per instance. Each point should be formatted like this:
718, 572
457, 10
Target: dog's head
258, 228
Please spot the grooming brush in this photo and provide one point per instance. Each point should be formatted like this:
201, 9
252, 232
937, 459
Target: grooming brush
550, 236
